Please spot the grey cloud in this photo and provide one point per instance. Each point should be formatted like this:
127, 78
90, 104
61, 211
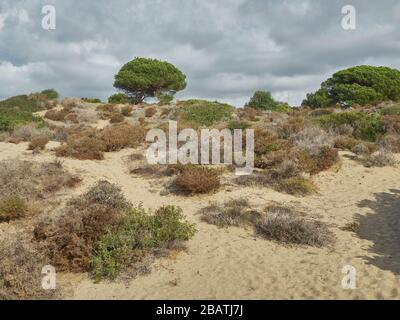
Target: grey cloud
227, 48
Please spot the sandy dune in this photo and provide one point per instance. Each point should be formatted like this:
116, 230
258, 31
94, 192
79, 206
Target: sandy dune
234, 264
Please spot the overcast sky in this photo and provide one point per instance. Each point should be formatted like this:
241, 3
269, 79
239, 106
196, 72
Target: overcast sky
227, 48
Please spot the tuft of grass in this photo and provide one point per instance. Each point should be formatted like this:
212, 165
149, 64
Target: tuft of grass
127, 111
141, 234
205, 112
150, 112
117, 118
198, 180
382, 158
296, 186
391, 111
287, 227
12, 208
235, 212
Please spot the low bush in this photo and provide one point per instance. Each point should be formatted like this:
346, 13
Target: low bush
150, 112
12, 208
85, 145
141, 234
295, 186
367, 127
165, 99
91, 100
50, 94
250, 114
312, 139
198, 180
117, 118
235, 124
32, 180
390, 142
119, 98
204, 112
38, 143
127, 111
382, 158
345, 142
69, 241
57, 115
287, 227
21, 272
322, 159
122, 136
28, 131
235, 212
364, 148
292, 126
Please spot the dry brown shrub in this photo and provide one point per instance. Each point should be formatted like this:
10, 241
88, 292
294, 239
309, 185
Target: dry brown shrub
392, 124
38, 143
32, 180
110, 108
28, 131
295, 186
69, 103
249, 114
285, 226
85, 145
117, 118
198, 180
69, 241
293, 125
150, 112
390, 142
122, 136
57, 115
12, 208
325, 158
345, 142
21, 271
127, 111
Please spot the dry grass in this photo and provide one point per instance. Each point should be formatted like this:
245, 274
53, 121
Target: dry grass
295, 186
345, 142
29, 131
235, 212
312, 139
390, 142
198, 180
285, 226
122, 136
58, 115
117, 118
31, 180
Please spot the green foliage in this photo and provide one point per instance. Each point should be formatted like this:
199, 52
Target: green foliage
165, 98
391, 111
119, 98
262, 100
140, 234
143, 77
366, 126
50, 94
205, 112
235, 124
18, 111
91, 100
357, 85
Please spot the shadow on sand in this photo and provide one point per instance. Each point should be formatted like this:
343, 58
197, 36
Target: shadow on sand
382, 227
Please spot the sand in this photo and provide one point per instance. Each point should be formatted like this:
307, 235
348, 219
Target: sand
233, 263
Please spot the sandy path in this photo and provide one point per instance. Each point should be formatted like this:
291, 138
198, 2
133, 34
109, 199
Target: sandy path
233, 264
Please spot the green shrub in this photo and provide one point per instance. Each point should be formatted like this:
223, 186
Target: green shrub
17, 111
235, 124
51, 94
143, 77
205, 112
91, 100
357, 85
366, 126
295, 186
119, 98
140, 235
165, 98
